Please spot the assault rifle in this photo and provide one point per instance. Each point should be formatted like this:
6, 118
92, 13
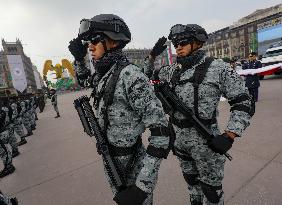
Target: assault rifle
92, 128
171, 101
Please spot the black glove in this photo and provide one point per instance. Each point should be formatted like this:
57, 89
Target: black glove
77, 49
159, 47
221, 143
130, 195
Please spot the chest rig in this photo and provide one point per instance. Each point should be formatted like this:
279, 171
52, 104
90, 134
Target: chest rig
107, 93
196, 80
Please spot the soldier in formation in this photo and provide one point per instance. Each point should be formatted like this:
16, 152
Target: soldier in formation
54, 101
199, 81
15, 112
5, 152
125, 104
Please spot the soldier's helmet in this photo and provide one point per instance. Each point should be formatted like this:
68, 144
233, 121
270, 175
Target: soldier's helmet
189, 32
110, 25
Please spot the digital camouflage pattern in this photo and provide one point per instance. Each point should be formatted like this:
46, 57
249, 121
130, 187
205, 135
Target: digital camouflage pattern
18, 128
5, 153
135, 108
25, 116
220, 80
12, 140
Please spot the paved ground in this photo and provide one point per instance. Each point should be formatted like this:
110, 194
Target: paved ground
59, 165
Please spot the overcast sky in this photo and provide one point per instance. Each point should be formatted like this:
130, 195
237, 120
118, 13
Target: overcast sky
46, 26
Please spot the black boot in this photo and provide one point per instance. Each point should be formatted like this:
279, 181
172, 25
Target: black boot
196, 200
14, 201
29, 133
22, 142
9, 169
15, 153
58, 115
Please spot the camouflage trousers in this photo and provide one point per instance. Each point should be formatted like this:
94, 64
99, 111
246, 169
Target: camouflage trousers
12, 138
18, 127
5, 153
27, 123
133, 172
200, 165
32, 117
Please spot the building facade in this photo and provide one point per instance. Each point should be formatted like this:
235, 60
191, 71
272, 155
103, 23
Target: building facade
6, 84
241, 38
137, 56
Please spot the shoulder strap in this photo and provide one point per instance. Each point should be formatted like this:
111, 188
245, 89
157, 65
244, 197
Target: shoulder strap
198, 77
110, 90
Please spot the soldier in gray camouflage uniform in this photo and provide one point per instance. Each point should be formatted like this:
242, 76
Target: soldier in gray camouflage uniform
202, 161
54, 102
25, 117
30, 114
133, 107
12, 140
18, 128
5, 153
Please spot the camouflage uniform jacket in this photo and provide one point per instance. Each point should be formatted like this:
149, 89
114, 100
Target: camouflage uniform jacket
220, 80
135, 108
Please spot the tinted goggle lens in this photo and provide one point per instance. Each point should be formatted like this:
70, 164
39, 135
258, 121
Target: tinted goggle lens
93, 39
180, 42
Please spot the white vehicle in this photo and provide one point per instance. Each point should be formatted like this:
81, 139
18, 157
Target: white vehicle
271, 57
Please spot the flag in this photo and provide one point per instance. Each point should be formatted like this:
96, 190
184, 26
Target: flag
168, 54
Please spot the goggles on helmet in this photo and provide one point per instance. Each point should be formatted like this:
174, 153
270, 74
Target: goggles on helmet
94, 39
86, 26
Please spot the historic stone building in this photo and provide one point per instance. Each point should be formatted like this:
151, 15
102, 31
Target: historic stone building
15, 48
137, 56
239, 39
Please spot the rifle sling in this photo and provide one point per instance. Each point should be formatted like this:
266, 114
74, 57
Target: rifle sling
185, 123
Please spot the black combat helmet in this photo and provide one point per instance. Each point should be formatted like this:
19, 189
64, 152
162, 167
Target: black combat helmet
189, 32
110, 25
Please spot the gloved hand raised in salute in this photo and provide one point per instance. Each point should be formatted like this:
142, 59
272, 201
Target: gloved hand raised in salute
77, 49
159, 47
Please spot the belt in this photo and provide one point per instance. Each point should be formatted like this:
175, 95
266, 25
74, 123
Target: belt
123, 151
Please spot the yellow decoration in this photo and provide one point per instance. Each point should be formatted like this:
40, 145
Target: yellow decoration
58, 68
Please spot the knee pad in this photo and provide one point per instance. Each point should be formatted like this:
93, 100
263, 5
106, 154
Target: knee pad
191, 179
212, 193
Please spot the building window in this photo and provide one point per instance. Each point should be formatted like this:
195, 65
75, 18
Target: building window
233, 34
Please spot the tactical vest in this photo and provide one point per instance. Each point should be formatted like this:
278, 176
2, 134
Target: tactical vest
107, 93
196, 80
